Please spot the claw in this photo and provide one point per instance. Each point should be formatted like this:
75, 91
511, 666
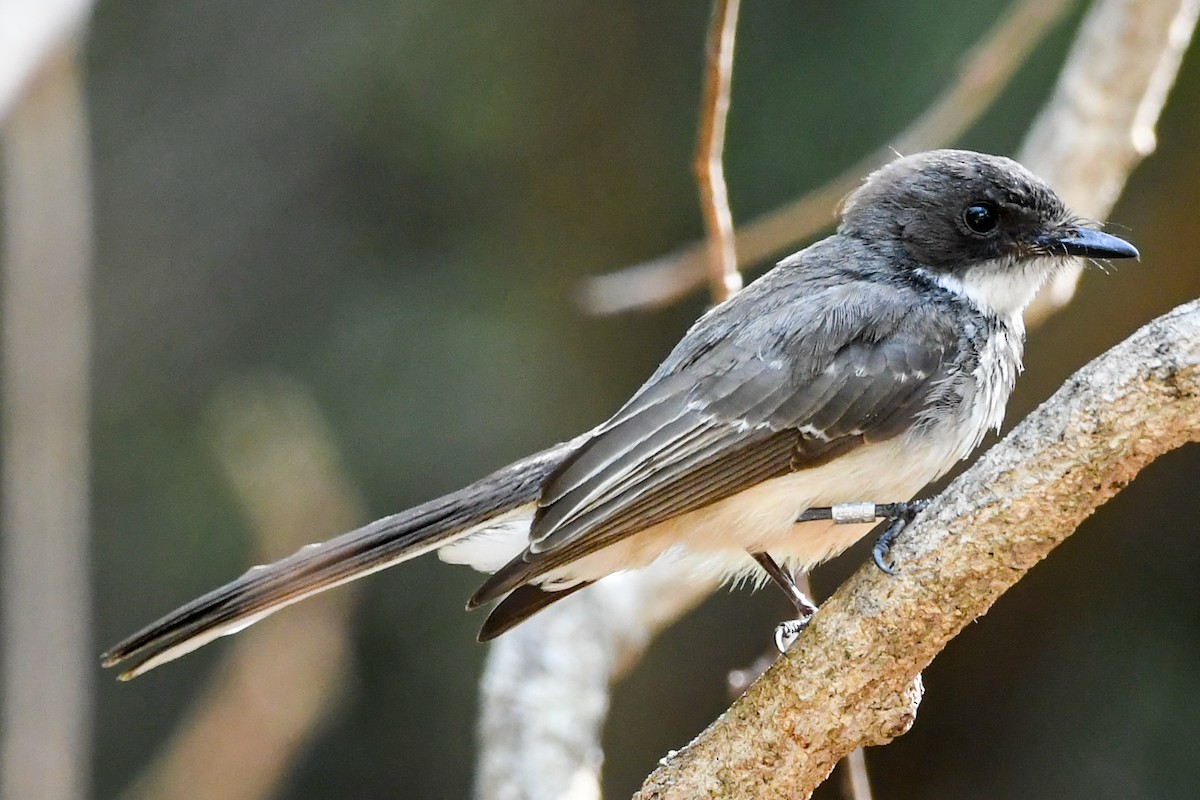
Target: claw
787, 632
883, 546
900, 514
897, 514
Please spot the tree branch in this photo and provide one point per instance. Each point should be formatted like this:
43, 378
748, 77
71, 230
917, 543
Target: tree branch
523, 766
47, 220
853, 677
987, 70
1086, 149
724, 278
545, 686
33, 33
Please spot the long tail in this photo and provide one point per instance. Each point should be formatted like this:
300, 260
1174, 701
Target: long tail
263, 590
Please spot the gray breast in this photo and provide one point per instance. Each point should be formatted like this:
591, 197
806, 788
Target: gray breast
972, 397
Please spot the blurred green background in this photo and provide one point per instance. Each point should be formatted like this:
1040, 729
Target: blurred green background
393, 204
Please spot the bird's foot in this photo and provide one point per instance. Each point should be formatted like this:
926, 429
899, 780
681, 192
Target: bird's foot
898, 516
788, 631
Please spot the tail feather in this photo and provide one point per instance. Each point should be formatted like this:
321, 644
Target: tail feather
263, 590
521, 604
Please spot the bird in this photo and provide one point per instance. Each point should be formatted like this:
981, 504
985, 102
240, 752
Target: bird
788, 418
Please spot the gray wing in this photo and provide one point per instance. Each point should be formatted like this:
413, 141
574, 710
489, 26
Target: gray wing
742, 399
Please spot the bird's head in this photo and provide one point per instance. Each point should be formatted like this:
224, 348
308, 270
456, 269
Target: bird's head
980, 225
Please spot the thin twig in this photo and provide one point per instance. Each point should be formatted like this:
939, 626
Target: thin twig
989, 66
724, 278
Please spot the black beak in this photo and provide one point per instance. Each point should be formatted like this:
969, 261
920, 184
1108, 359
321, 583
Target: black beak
1076, 241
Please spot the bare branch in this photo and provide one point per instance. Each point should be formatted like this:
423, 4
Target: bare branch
856, 783
33, 33
545, 686
1099, 123
852, 679
44, 752
987, 70
724, 278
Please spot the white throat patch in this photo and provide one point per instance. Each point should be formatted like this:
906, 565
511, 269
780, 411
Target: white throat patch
998, 287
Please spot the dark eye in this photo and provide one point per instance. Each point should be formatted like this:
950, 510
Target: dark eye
981, 218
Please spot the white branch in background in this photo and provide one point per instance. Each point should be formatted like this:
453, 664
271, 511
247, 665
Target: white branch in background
32, 34
1099, 123
545, 686
514, 767
984, 73
853, 677
45, 731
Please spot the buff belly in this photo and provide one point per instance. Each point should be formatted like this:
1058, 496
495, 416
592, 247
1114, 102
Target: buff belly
715, 540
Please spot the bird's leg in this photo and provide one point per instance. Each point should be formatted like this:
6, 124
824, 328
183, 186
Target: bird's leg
787, 631
898, 516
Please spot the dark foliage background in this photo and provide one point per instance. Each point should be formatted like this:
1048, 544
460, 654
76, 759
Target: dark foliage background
393, 203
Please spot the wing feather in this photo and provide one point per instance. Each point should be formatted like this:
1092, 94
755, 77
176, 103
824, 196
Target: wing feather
698, 444
660, 422
742, 399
